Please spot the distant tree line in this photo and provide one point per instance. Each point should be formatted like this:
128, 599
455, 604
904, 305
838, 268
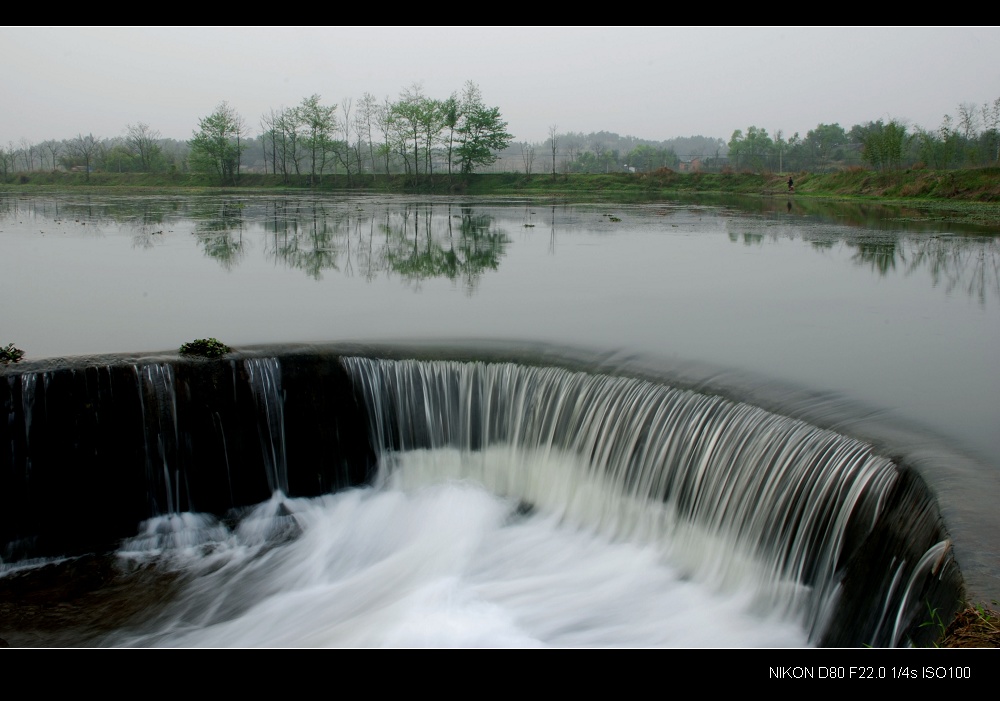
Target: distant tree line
607, 152
139, 150
419, 136
971, 140
415, 134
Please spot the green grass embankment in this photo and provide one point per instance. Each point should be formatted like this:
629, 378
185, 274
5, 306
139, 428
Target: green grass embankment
970, 194
972, 185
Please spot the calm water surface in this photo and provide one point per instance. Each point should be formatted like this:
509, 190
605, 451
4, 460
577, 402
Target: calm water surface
905, 320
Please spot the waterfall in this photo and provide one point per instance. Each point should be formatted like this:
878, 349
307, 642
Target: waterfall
239, 460
731, 491
158, 403
264, 378
173, 523
28, 384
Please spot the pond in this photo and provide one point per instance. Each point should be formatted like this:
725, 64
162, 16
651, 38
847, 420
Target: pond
907, 321
862, 307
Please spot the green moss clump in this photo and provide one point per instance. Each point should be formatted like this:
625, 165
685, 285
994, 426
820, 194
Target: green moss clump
207, 347
10, 354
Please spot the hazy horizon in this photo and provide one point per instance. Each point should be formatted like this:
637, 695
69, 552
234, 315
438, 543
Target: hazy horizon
654, 83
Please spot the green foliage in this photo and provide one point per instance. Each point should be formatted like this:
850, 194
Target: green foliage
645, 158
882, 144
940, 148
407, 118
826, 143
481, 131
934, 621
10, 354
218, 145
319, 123
752, 150
207, 347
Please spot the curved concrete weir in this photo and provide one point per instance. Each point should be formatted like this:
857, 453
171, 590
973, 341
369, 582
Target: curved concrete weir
786, 496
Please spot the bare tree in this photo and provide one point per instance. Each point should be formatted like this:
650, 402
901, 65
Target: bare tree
342, 150
288, 125
53, 148
267, 134
86, 149
27, 154
553, 144
367, 114
968, 120
601, 151
384, 122
968, 123
991, 124
361, 128
7, 156
527, 156
142, 141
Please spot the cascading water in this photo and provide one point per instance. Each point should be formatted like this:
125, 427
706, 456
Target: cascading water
512, 505
264, 377
176, 526
736, 495
158, 401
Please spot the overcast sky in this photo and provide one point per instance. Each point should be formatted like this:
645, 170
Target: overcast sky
649, 82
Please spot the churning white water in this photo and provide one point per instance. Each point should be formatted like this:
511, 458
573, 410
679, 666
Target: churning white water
424, 559
534, 506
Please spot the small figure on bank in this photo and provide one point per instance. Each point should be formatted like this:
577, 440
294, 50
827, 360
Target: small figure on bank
791, 184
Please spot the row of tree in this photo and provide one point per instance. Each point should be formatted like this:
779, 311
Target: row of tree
971, 140
419, 136
461, 132
139, 150
414, 134
605, 152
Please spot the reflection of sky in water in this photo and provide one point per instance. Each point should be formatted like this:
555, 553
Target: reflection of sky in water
909, 321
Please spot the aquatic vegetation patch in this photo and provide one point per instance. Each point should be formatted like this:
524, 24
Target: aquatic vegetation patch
10, 354
207, 347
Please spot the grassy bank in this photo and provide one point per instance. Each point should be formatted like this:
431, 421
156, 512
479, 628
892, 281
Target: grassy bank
972, 185
969, 185
970, 195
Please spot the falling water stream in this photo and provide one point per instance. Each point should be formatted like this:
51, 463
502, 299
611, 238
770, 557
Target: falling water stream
521, 505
